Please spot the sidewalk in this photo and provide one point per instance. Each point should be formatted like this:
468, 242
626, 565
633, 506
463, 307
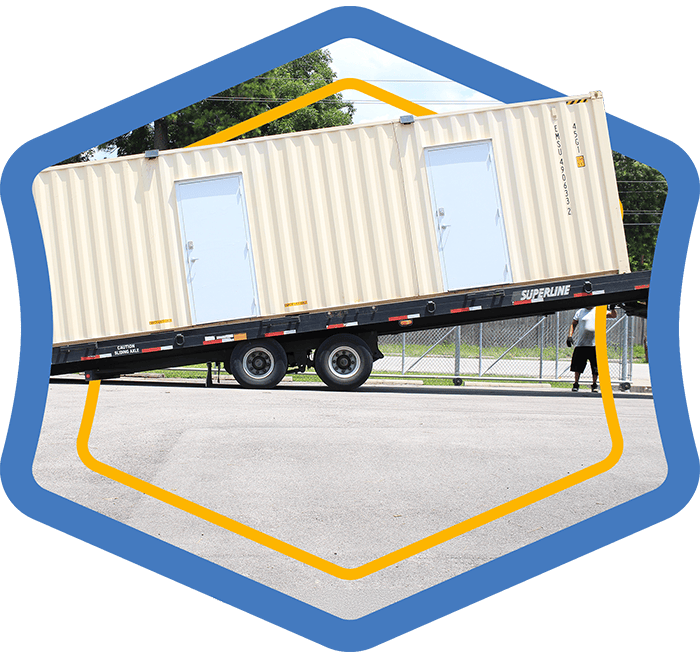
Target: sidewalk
507, 368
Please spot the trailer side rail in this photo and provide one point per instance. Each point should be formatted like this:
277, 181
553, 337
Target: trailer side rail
122, 355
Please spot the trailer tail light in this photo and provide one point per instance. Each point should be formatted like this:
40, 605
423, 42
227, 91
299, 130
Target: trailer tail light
406, 322
404, 317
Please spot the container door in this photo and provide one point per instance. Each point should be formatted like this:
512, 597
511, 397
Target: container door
466, 203
217, 253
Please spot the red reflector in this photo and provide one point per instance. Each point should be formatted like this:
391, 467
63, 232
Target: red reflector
398, 318
274, 334
335, 325
461, 309
581, 295
521, 302
642, 286
150, 350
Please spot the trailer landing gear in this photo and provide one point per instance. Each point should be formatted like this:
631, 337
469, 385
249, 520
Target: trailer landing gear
259, 364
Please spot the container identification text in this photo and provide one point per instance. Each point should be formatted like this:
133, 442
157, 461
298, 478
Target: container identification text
562, 168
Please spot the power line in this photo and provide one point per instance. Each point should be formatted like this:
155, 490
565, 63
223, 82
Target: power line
241, 99
384, 80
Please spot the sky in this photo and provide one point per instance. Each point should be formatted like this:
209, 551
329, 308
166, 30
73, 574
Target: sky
355, 59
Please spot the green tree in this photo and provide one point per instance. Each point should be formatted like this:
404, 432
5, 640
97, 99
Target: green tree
643, 193
244, 101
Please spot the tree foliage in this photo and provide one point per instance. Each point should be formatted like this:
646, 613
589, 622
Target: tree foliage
244, 101
643, 193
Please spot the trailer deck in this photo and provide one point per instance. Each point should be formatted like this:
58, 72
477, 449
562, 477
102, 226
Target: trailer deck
213, 343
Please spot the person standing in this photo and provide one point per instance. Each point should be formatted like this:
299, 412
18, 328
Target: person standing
584, 351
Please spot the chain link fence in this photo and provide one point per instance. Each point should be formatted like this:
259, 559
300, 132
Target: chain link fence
525, 349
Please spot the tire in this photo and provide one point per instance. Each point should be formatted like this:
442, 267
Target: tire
259, 364
343, 362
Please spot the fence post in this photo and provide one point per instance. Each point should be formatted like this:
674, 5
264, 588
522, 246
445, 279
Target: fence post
481, 344
623, 375
403, 354
630, 334
541, 342
458, 350
556, 349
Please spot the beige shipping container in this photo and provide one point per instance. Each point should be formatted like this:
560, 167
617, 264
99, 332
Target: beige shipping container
330, 218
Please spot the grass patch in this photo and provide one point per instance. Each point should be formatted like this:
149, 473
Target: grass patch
549, 353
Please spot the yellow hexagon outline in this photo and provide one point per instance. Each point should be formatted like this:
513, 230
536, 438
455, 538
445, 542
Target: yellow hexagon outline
414, 548
310, 98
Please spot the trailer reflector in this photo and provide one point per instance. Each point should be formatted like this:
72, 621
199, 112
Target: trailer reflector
592, 293
156, 348
96, 357
280, 332
222, 339
333, 326
458, 310
404, 317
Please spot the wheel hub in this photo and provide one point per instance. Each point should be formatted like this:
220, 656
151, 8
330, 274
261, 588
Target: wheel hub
344, 361
258, 362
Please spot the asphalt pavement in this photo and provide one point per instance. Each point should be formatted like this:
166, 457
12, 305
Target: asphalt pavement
347, 476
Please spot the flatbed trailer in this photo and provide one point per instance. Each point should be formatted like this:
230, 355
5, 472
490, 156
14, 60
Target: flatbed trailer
340, 343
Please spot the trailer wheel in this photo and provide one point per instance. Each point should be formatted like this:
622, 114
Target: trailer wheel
343, 362
259, 364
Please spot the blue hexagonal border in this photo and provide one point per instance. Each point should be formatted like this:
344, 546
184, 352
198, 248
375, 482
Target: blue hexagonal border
241, 592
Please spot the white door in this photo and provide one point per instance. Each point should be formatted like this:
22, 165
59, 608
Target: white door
217, 253
468, 217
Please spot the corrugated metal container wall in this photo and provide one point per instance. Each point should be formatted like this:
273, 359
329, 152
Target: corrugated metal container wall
327, 216
562, 215
113, 250
328, 220
335, 217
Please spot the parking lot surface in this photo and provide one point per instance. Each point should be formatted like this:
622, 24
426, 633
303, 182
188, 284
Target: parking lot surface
347, 476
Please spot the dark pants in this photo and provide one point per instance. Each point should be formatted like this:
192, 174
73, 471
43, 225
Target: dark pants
582, 355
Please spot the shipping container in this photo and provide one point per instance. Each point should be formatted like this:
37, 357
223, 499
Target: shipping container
331, 219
